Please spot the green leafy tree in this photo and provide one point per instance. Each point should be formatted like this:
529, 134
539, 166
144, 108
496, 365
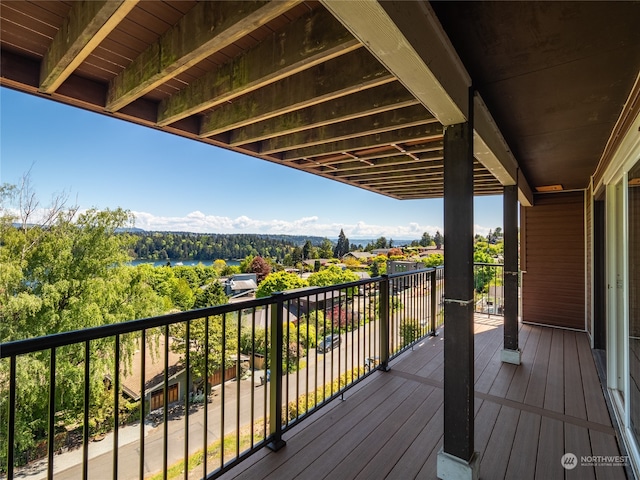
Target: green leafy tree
279, 282
206, 345
482, 275
64, 271
210, 295
378, 266
219, 265
326, 248
245, 264
433, 260
331, 275
410, 331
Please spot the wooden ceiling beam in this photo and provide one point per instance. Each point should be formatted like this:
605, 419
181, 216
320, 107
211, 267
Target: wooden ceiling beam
388, 153
422, 58
398, 171
360, 104
428, 162
86, 26
338, 77
308, 41
382, 122
205, 29
431, 131
426, 62
416, 179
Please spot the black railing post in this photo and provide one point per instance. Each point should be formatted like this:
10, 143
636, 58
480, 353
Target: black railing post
385, 302
433, 303
275, 377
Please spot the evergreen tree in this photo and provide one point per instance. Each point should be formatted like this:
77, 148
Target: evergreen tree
306, 250
438, 239
426, 239
342, 247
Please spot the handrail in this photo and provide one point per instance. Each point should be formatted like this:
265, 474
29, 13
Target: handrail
367, 326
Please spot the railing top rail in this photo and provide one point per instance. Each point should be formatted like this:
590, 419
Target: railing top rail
30, 345
480, 264
422, 270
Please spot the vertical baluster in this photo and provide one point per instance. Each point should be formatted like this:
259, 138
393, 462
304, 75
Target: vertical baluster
85, 433
206, 397
187, 393
223, 354
165, 405
116, 404
143, 399
52, 411
12, 417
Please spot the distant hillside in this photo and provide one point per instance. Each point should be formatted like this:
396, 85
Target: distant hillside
211, 246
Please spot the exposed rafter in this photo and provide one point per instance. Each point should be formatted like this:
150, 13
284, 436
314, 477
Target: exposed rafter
427, 64
87, 24
336, 78
360, 104
382, 122
205, 29
310, 40
424, 132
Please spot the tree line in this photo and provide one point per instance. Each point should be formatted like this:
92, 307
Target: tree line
204, 246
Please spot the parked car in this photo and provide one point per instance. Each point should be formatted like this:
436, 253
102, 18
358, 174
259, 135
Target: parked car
329, 343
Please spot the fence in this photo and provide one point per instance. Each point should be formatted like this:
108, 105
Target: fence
316, 343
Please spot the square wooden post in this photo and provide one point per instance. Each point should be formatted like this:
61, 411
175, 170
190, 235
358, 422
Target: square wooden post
458, 459
511, 351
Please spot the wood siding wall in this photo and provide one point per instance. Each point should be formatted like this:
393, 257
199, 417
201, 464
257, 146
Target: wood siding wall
553, 287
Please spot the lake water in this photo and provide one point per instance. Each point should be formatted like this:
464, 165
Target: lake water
186, 263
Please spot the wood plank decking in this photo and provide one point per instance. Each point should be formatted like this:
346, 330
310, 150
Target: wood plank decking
527, 417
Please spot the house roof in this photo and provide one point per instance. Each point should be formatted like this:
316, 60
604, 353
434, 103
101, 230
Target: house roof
248, 284
360, 255
314, 85
154, 368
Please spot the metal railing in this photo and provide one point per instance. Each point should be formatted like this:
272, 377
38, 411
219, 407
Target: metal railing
488, 281
223, 381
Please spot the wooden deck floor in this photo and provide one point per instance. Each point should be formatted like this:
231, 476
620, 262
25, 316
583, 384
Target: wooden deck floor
527, 417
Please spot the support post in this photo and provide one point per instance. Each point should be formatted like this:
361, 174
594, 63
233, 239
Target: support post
458, 459
511, 351
275, 378
384, 322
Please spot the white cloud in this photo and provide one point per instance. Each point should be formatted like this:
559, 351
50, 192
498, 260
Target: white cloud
201, 223
198, 222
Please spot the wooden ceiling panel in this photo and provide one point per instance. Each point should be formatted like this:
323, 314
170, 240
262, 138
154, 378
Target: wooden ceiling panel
288, 83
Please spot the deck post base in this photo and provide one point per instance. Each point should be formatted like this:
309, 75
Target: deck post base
454, 468
276, 444
511, 356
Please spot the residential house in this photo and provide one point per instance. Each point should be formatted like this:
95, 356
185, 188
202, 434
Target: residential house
154, 382
241, 285
362, 257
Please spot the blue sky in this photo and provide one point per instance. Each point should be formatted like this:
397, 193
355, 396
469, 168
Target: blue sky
171, 183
